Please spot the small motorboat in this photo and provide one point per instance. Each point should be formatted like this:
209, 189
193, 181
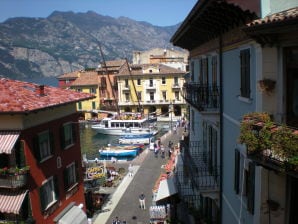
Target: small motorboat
118, 153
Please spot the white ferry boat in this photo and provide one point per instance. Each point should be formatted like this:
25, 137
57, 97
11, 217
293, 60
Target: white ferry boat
124, 125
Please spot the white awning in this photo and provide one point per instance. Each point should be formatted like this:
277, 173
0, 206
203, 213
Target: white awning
75, 215
166, 188
11, 201
8, 140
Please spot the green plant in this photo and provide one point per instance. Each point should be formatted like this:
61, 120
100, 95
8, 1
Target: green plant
248, 136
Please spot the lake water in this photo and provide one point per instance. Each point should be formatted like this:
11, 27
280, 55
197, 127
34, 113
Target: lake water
91, 141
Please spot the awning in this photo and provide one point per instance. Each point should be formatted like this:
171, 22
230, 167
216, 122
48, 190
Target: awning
75, 215
11, 201
8, 140
166, 188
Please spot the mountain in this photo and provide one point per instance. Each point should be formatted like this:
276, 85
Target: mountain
68, 41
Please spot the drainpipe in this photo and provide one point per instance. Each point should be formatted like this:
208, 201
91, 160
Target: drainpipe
220, 127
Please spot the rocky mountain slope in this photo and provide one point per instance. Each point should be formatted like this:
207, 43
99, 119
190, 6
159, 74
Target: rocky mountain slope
67, 41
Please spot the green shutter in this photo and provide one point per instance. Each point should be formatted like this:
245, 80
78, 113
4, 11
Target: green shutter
42, 195
52, 142
236, 171
74, 132
65, 178
56, 187
251, 188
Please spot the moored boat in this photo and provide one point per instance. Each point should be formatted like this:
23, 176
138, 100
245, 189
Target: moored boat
136, 139
124, 124
118, 153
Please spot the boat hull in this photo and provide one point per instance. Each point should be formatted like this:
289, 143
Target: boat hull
123, 131
118, 153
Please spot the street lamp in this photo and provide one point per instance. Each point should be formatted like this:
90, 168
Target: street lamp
171, 111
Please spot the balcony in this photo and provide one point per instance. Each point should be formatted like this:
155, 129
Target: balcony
176, 86
204, 176
13, 177
150, 86
126, 88
271, 145
202, 97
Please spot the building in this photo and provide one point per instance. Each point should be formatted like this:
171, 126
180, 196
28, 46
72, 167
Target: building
101, 82
151, 88
65, 80
41, 179
235, 48
87, 82
173, 58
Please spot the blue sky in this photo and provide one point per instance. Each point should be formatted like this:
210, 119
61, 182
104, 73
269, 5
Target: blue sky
156, 12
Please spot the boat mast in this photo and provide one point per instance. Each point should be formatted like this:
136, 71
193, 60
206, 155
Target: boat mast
106, 70
134, 87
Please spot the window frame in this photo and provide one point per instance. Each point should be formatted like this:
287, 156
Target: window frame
48, 193
40, 144
245, 76
68, 139
70, 174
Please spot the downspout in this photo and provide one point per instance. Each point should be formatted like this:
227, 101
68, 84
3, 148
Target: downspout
220, 128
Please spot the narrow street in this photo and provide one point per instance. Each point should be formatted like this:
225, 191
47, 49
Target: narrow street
124, 202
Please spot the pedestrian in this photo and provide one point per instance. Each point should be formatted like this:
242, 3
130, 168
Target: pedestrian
156, 152
162, 150
170, 152
175, 130
142, 201
130, 170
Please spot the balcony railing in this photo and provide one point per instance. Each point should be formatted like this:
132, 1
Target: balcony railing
272, 145
150, 86
198, 167
202, 97
15, 181
176, 86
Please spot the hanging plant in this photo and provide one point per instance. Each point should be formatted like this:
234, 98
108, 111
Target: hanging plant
267, 85
248, 136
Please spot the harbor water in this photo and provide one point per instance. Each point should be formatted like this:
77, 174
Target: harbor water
91, 141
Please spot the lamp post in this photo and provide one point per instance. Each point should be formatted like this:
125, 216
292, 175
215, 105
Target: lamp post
171, 111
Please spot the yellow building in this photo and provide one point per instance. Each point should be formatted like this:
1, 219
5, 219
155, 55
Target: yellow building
151, 88
87, 82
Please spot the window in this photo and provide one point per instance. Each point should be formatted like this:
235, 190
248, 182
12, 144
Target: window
214, 70
151, 95
245, 73
103, 82
151, 82
126, 83
79, 90
92, 90
250, 189
177, 95
139, 95
138, 82
203, 77
43, 145
48, 193
164, 95
93, 105
163, 80
127, 97
80, 105
176, 81
70, 176
68, 135
192, 65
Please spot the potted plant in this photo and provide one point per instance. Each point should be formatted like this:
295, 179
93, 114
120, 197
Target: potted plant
267, 85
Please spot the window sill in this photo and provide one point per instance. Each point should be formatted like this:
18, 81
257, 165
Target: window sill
45, 159
69, 146
244, 99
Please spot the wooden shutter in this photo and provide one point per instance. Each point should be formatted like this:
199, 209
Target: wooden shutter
236, 171
251, 188
245, 72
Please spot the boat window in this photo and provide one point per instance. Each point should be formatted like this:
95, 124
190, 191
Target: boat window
112, 124
122, 125
106, 124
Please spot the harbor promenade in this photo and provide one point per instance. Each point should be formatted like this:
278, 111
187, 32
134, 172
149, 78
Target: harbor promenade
124, 202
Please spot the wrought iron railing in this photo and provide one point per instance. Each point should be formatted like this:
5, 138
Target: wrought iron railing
198, 167
13, 181
201, 96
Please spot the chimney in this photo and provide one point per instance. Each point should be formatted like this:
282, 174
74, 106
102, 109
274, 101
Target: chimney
40, 90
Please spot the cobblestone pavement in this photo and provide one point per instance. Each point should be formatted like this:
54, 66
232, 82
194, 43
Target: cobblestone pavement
124, 202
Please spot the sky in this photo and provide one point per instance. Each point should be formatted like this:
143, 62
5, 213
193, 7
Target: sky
156, 12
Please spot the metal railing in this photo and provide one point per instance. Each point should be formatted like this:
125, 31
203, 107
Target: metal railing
201, 96
15, 181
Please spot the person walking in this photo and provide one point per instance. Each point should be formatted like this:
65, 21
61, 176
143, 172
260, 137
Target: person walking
142, 201
130, 170
162, 150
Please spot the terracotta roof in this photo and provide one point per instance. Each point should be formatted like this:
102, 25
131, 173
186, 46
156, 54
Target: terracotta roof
138, 69
74, 74
290, 14
86, 79
23, 97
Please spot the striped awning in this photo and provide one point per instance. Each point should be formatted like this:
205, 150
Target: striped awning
8, 140
11, 201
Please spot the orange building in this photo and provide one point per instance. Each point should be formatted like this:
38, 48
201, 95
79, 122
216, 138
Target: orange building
41, 179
